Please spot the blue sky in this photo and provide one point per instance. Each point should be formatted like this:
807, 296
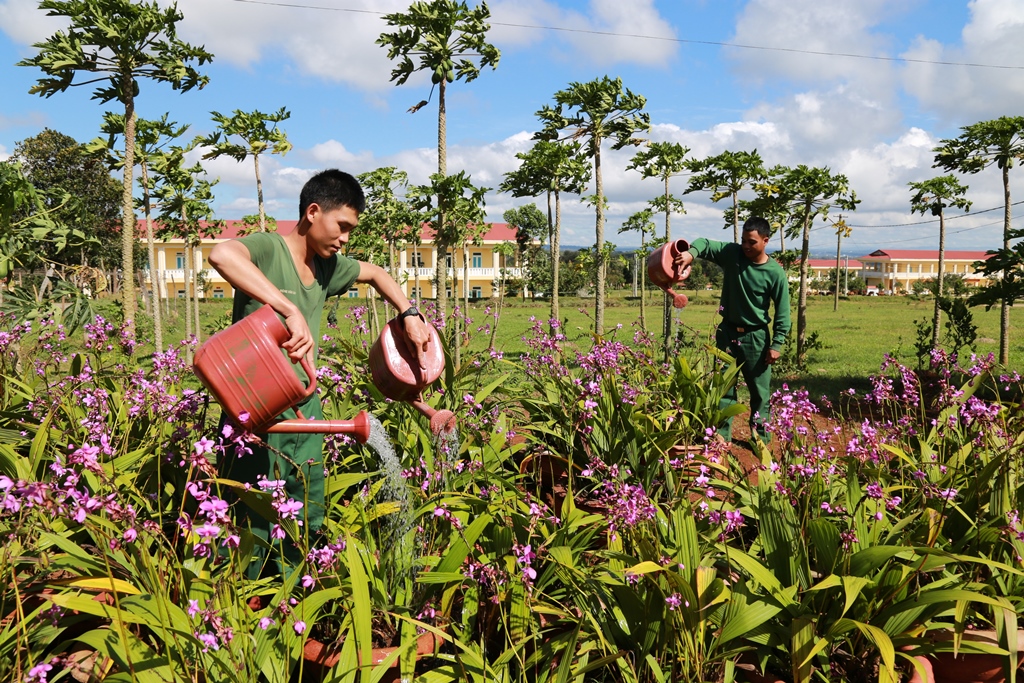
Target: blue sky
875, 119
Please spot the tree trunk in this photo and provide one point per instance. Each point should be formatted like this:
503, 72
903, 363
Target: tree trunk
735, 216
638, 280
839, 242
1004, 310
188, 298
158, 327
939, 278
599, 236
667, 301
197, 267
556, 255
801, 315
259, 193
128, 209
441, 273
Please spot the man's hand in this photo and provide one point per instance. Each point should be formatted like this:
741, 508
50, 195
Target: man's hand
682, 260
417, 338
301, 341
773, 356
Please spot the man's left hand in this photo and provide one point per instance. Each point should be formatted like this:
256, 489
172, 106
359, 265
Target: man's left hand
417, 337
773, 356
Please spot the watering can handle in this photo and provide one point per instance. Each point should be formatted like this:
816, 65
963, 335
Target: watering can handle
308, 369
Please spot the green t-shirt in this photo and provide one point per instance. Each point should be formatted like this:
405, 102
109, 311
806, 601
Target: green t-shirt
749, 289
332, 276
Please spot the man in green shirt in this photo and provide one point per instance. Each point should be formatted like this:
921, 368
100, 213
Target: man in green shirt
753, 282
295, 273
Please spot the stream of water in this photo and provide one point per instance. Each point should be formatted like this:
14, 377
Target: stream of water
397, 526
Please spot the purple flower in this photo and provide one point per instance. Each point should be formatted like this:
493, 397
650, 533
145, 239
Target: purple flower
266, 622
674, 601
300, 627
38, 673
307, 581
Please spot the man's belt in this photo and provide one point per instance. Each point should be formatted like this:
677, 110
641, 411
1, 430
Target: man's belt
743, 329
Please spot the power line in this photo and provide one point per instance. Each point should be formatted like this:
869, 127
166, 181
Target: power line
688, 41
936, 220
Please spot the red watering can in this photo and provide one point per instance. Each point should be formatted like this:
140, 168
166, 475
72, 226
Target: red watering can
662, 271
244, 368
397, 373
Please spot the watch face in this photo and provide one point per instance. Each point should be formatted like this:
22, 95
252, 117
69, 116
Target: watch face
412, 310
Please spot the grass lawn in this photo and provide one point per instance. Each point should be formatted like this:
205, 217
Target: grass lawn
854, 339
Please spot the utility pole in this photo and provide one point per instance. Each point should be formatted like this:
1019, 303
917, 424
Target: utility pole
846, 277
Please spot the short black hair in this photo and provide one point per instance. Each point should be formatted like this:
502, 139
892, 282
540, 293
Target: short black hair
330, 189
758, 225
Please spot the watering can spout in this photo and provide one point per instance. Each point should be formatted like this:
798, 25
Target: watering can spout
442, 422
358, 427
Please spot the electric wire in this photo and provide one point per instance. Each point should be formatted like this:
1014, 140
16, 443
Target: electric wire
689, 41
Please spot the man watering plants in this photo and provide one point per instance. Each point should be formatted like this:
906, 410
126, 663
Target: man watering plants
753, 283
295, 273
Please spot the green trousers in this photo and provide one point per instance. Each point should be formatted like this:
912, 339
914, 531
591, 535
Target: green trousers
296, 459
750, 349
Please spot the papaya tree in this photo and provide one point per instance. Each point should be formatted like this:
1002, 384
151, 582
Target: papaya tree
808, 193
643, 222
998, 142
151, 139
593, 112
933, 196
550, 168
186, 211
726, 175
257, 137
663, 160
115, 44
448, 40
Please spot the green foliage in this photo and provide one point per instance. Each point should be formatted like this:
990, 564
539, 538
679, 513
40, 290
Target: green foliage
442, 35
726, 175
79, 191
593, 112
389, 222
115, 43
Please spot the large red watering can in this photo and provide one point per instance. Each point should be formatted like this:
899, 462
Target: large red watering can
662, 270
244, 368
397, 373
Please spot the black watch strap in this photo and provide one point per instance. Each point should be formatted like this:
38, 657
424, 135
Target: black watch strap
412, 310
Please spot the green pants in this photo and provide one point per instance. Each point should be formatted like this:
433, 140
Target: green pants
298, 460
750, 349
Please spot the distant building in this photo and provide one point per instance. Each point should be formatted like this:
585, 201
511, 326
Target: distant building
821, 267
416, 266
898, 269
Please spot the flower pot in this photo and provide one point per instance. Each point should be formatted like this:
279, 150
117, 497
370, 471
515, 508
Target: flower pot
967, 667
320, 657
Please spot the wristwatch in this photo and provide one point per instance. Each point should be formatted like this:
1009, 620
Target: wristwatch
412, 310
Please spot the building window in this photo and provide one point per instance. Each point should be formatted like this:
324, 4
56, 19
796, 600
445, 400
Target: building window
448, 260
414, 293
417, 259
478, 260
180, 293
353, 293
218, 293
477, 292
179, 259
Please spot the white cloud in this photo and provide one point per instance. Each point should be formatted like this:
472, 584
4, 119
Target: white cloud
965, 94
26, 24
627, 17
4, 154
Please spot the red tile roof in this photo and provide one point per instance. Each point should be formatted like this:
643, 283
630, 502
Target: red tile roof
926, 254
831, 263
498, 232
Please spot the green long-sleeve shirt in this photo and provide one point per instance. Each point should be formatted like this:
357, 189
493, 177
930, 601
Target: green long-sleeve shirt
749, 289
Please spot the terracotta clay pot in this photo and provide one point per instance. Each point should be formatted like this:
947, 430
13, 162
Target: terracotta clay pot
967, 667
320, 657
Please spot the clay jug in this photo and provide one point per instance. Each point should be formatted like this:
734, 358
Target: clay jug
397, 373
245, 370
662, 271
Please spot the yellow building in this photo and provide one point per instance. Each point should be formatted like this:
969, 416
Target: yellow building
894, 270
416, 266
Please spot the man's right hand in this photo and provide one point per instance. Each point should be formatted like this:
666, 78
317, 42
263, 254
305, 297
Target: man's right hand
301, 341
682, 260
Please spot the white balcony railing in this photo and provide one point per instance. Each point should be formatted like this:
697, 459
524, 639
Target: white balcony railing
488, 274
